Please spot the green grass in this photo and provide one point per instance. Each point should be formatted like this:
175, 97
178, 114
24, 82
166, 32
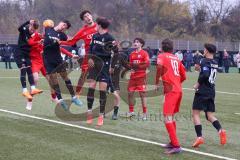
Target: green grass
24, 138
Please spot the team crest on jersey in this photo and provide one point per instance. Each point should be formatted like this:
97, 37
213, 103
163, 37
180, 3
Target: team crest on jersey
89, 36
139, 56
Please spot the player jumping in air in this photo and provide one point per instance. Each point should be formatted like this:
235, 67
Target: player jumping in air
85, 34
36, 43
22, 57
99, 68
54, 63
205, 96
172, 73
139, 62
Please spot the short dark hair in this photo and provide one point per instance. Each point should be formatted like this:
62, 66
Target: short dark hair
67, 22
167, 45
103, 22
211, 48
35, 24
83, 13
139, 40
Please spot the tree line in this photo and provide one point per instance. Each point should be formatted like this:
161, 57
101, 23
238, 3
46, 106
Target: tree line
193, 20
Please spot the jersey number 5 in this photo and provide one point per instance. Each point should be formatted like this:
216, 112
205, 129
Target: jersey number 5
175, 67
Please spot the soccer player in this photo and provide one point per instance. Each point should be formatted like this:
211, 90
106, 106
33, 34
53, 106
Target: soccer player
205, 95
172, 73
23, 60
85, 34
54, 63
99, 63
119, 61
36, 44
139, 62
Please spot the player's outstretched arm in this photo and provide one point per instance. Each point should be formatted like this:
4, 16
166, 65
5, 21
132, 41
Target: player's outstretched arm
66, 52
74, 39
22, 28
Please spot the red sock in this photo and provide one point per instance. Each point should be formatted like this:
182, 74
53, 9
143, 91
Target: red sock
144, 109
53, 95
174, 123
172, 134
78, 89
131, 108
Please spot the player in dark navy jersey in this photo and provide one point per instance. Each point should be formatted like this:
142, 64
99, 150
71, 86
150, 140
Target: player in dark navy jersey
205, 95
118, 63
54, 63
22, 57
99, 67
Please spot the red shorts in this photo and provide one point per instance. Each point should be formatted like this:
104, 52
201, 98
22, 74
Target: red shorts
172, 101
38, 67
137, 85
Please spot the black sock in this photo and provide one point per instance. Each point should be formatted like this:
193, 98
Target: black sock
238, 70
23, 77
102, 101
70, 87
198, 129
217, 125
57, 91
30, 76
115, 111
90, 98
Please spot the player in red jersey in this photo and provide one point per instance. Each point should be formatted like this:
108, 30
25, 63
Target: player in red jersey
139, 61
85, 34
172, 73
36, 55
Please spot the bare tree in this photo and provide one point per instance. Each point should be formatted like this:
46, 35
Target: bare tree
215, 9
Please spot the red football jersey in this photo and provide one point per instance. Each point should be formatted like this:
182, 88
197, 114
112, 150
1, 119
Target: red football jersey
171, 71
140, 61
36, 47
85, 33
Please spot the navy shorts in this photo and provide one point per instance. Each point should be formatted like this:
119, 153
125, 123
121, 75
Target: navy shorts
55, 67
203, 103
22, 61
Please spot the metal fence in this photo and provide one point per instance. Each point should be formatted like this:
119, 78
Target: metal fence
156, 44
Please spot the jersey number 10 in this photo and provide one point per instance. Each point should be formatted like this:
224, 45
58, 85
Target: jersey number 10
212, 76
175, 67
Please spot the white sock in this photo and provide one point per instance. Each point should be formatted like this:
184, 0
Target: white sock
33, 87
74, 97
25, 90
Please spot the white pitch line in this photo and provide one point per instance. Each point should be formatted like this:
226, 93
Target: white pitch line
237, 113
112, 134
230, 93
